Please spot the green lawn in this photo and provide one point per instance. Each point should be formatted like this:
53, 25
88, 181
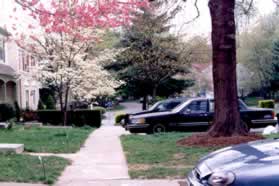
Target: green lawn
28, 169
49, 140
157, 156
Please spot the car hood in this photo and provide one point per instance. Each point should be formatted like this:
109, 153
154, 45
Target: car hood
249, 156
154, 114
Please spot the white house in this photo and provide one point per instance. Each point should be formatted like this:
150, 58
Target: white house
17, 82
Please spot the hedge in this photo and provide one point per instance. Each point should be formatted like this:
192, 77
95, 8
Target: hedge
7, 112
267, 104
77, 117
119, 118
101, 109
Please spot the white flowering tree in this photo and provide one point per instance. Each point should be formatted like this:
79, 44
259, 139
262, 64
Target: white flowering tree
63, 36
84, 79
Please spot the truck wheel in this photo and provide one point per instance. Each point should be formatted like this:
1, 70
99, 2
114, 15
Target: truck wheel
159, 128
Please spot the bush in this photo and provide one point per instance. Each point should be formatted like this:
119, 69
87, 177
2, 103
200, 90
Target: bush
7, 112
17, 111
119, 118
53, 117
50, 103
158, 98
267, 104
29, 115
101, 109
92, 118
41, 105
76, 117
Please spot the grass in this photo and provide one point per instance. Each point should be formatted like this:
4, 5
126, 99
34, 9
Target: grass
158, 156
28, 169
272, 136
47, 140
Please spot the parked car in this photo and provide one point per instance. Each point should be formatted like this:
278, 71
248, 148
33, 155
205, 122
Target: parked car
160, 106
196, 112
250, 164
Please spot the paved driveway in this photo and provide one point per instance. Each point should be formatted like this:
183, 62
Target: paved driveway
132, 107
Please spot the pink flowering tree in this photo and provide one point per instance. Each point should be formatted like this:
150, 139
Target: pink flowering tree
63, 34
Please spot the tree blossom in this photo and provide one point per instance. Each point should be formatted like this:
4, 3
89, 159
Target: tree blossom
73, 16
86, 78
67, 31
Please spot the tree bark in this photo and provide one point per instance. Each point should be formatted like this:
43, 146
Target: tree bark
60, 95
65, 121
227, 121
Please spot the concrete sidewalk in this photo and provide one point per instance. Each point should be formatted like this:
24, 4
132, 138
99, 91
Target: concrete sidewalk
101, 162
101, 158
126, 183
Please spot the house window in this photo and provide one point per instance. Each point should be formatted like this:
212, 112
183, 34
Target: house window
2, 49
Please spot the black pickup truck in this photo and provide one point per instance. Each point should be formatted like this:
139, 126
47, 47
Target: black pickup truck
195, 113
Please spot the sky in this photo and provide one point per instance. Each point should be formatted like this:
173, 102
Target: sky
201, 26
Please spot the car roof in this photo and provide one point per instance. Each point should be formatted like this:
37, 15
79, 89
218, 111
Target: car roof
200, 99
174, 99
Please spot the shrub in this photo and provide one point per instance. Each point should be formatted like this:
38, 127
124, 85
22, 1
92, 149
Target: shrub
17, 111
29, 115
101, 109
11, 124
92, 118
53, 117
157, 98
41, 105
75, 117
7, 112
266, 104
50, 103
119, 118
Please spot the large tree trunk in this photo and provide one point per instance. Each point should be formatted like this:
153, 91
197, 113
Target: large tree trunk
227, 120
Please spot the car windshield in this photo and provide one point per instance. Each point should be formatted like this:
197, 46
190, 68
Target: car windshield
153, 107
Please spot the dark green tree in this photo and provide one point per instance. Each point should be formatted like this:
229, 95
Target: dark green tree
50, 103
152, 57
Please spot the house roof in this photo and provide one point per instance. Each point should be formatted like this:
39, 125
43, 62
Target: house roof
7, 70
4, 32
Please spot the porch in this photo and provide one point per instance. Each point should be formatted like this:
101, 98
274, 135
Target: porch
8, 91
8, 85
